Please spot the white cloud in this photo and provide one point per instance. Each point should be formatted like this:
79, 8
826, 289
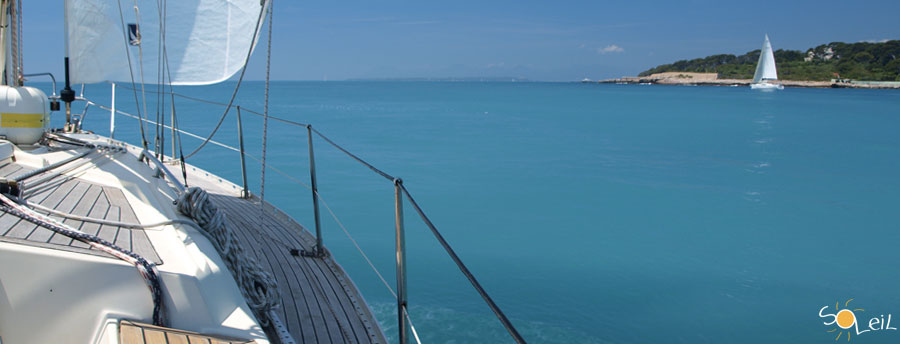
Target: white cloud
610, 49
876, 40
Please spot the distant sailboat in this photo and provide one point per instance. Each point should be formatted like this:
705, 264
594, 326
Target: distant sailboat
765, 69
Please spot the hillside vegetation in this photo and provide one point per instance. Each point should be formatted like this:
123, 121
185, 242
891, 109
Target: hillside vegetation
857, 61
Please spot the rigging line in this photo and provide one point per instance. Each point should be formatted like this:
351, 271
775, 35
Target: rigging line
167, 127
137, 16
131, 73
262, 12
161, 104
180, 145
462, 267
211, 102
162, 65
358, 248
265, 128
159, 68
188, 97
373, 168
175, 138
130, 225
258, 160
179, 131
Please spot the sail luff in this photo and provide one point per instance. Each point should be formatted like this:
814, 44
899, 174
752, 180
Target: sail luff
757, 76
769, 72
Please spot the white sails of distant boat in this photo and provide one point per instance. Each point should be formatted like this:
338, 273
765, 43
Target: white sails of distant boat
765, 69
206, 41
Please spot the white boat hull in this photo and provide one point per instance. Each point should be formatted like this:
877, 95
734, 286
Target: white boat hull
766, 87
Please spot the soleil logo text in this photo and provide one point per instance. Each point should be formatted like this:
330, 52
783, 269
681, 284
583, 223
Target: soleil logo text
846, 319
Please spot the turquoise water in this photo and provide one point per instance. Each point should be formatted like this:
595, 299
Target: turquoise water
591, 213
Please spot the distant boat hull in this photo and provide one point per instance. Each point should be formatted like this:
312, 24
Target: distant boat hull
766, 87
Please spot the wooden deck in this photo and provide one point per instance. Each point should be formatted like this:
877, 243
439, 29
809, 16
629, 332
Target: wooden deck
77, 197
137, 333
319, 303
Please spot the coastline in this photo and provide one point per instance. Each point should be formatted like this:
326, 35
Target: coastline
711, 79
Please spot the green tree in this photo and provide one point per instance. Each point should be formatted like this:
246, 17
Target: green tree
860, 61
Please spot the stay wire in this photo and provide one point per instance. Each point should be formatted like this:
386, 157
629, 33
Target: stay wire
160, 74
137, 15
176, 133
131, 73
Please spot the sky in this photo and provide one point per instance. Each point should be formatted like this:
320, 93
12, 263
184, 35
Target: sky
562, 40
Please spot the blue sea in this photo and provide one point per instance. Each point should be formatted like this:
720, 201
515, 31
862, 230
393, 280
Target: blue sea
591, 213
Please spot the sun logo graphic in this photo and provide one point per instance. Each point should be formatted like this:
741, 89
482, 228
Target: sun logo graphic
846, 319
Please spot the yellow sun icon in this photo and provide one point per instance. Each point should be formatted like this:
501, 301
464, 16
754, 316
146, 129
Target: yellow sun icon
845, 319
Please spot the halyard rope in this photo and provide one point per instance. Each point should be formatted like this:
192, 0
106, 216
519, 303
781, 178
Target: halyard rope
265, 128
258, 287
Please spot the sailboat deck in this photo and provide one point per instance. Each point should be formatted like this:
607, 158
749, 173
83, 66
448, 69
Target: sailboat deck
77, 197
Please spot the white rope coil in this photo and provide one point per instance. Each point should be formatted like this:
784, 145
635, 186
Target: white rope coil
258, 286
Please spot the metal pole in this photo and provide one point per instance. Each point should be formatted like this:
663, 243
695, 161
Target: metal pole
112, 113
315, 193
172, 106
245, 193
401, 263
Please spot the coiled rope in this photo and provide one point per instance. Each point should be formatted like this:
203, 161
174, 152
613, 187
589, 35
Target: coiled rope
258, 287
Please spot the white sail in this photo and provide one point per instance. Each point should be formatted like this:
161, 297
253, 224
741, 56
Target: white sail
765, 67
206, 41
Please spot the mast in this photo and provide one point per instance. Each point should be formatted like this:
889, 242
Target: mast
15, 54
4, 41
9, 43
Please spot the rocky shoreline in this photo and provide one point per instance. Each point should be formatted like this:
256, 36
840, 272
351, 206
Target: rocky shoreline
712, 79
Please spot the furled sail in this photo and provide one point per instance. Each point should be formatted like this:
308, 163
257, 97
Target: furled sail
765, 67
205, 41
